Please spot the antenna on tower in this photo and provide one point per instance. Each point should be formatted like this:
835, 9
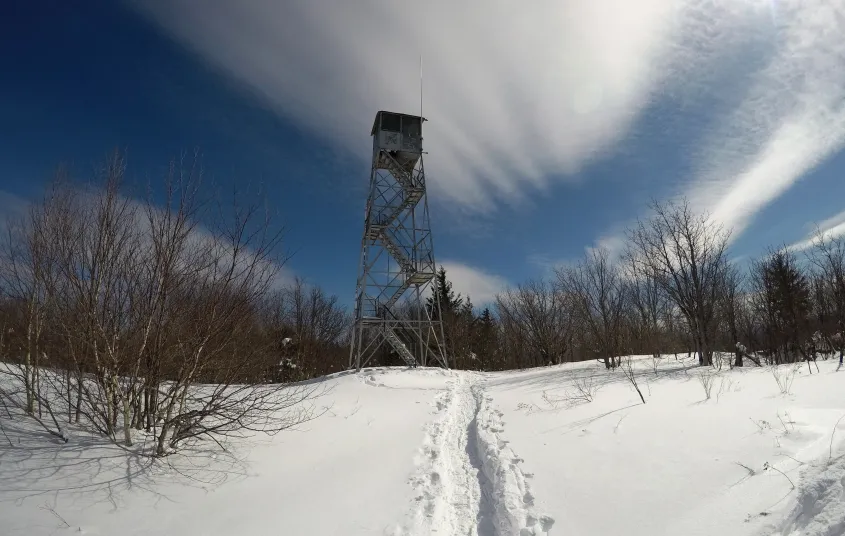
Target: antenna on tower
421, 88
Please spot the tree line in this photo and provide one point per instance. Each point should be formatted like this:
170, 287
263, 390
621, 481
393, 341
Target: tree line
673, 288
168, 318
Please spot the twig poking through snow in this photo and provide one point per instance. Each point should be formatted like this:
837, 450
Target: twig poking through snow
830, 455
552, 401
615, 428
627, 367
785, 429
767, 466
53, 511
751, 472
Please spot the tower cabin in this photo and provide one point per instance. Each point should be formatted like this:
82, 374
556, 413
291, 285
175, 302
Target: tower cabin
397, 137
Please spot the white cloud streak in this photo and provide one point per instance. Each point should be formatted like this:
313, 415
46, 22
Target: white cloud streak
791, 114
833, 227
791, 119
514, 91
519, 92
479, 285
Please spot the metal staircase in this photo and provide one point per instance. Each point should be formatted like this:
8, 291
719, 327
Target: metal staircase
381, 230
399, 346
397, 260
396, 252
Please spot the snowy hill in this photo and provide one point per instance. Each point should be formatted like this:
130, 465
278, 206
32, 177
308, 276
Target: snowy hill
427, 451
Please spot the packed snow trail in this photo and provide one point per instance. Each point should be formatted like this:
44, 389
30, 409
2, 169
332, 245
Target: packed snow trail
468, 481
819, 509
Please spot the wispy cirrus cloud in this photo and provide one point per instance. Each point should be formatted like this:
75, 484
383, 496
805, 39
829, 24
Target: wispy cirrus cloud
515, 92
781, 112
791, 118
833, 227
518, 93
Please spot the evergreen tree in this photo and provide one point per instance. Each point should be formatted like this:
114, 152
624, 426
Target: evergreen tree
485, 340
442, 291
784, 304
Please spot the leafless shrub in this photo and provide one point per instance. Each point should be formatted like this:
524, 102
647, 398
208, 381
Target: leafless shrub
132, 316
655, 363
786, 424
706, 377
719, 359
584, 388
726, 385
784, 375
530, 408
628, 370
553, 401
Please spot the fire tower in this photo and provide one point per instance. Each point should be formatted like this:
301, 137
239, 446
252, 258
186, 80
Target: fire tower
397, 266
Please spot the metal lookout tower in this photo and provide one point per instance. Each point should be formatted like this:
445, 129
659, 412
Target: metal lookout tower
397, 266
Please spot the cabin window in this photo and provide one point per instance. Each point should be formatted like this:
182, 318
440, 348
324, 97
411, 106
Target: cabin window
411, 127
390, 122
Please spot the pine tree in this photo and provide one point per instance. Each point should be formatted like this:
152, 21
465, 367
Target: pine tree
485, 341
458, 318
785, 303
443, 292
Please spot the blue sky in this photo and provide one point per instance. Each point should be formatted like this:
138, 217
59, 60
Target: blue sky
551, 124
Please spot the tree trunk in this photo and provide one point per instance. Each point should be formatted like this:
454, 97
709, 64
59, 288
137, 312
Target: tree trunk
78, 397
110, 409
27, 383
69, 383
127, 422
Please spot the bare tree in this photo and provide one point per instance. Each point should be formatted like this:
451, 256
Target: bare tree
600, 297
132, 315
648, 304
535, 322
732, 301
28, 272
828, 256
684, 253
312, 323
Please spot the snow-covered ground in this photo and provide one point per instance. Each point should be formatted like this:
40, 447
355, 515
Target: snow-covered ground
433, 452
